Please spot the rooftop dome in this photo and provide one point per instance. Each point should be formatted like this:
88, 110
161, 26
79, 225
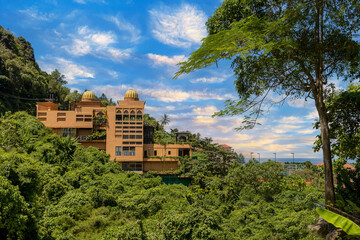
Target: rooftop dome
88, 96
131, 94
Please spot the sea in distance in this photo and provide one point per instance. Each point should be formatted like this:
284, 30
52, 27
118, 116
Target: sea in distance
290, 160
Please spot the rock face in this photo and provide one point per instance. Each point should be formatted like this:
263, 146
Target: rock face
325, 230
21, 80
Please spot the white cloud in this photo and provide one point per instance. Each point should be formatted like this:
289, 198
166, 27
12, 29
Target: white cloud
291, 120
96, 43
307, 131
209, 80
73, 72
134, 34
113, 74
301, 103
162, 93
205, 120
37, 15
165, 60
313, 115
181, 27
80, 1
210, 110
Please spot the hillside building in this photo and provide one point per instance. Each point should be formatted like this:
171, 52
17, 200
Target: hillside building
118, 130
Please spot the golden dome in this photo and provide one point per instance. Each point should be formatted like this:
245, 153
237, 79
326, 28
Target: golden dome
131, 94
88, 96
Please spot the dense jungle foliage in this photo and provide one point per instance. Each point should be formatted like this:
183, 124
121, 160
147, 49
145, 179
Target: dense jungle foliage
52, 188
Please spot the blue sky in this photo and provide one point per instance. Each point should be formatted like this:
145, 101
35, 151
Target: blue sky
112, 46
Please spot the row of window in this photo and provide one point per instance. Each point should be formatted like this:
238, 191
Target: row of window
127, 112
128, 127
131, 166
124, 151
131, 123
155, 153
127, 118
132, 137
132, 143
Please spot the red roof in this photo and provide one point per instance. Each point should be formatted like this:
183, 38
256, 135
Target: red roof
225, 146
346, 165
349, 166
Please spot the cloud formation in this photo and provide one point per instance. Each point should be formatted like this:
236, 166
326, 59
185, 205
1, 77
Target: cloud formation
73, 72
96, 43
180, 27
133, 34
161, 93
165, 60
36, 14
209, 80
210, 110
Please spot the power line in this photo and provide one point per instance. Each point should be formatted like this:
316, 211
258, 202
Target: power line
30, 99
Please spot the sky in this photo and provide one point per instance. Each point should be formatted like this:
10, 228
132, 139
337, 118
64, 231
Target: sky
112, 46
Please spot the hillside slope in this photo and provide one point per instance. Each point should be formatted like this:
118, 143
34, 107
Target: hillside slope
22, 82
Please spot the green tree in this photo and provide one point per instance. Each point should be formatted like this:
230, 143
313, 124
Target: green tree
72, 98
165, 120
344, 123
14, 211
287, 47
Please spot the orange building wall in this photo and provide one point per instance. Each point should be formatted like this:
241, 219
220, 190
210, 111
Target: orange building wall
81, 119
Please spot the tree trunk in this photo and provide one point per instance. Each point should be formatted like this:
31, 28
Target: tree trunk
317, 90
324, 126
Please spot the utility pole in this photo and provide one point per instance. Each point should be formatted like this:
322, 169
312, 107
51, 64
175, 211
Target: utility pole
251, 155
259, 157
275, 156
293, 156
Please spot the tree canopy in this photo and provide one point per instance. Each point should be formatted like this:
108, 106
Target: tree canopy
52, 188
290, 48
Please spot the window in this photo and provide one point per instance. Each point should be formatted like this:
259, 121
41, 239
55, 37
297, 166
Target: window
126, 137
169, 152
132, 117
128, 151
139, 112
43, 114
68, 132
138, 118
138, 136
117, 151
138, 131
82, 138
118, 112
61, 114
145, 153
155, 153
132, 136
118, 118
131, 166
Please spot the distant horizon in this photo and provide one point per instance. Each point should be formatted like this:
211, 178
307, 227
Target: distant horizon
297, 160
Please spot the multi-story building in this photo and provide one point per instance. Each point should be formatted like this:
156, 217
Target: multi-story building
118, 130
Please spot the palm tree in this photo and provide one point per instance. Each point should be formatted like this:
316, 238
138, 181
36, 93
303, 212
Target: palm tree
165, 120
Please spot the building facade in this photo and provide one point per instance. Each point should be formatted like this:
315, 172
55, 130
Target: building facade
118, 130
